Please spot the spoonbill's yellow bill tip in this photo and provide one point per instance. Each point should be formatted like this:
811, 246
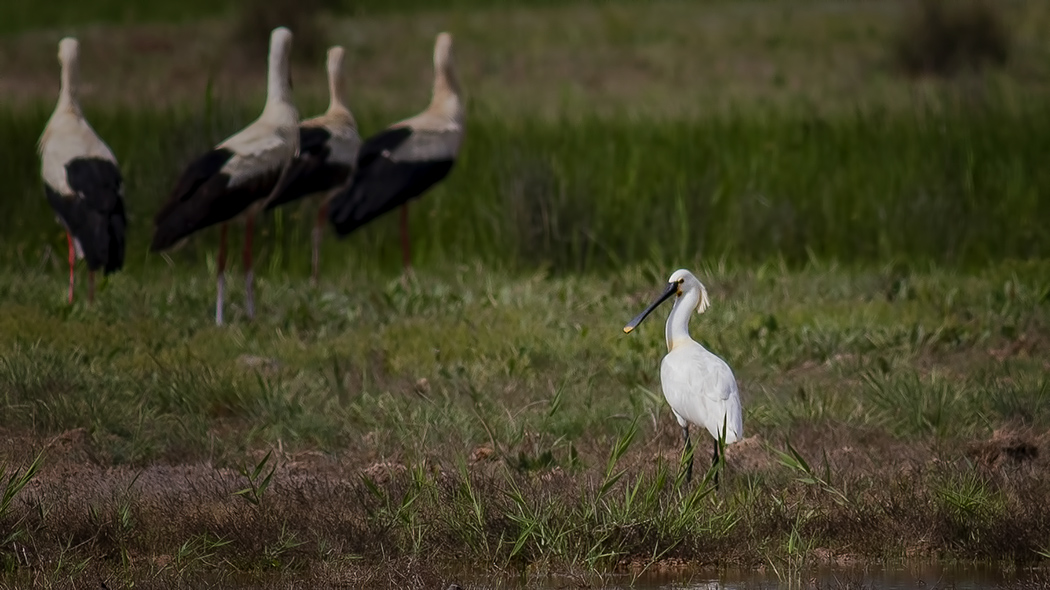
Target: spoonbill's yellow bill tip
627, 329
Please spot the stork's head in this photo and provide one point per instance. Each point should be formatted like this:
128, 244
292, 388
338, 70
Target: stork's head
280, 52
685, 288
446, 103
443, 52
68, 49
69, 60
335, 61
281, 41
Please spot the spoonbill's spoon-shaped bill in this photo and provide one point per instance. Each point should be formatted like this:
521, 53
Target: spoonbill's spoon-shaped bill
671, 291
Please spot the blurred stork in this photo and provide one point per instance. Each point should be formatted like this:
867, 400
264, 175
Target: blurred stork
328, 147
238, 176
82, 181
699, 386
401, 163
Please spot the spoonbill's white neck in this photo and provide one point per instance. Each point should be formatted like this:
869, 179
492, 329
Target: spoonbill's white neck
677, 328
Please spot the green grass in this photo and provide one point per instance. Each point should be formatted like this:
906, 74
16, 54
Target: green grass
957, 185
17, 17
903, 392
663, 59
874, 248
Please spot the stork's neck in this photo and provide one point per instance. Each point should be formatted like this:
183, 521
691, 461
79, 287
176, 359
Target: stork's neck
677, 329
446, 98
67, 94
335, 94
278, 90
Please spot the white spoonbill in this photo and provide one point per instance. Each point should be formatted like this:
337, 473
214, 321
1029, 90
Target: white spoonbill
699, 386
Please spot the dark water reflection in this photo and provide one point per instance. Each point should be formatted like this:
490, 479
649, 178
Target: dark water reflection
874, 577
923, 577
959, 577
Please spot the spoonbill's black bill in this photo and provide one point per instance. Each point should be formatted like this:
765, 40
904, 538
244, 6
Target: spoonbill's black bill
672, 289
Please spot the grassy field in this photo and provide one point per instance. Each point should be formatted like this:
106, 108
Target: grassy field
15, 18
506, 420
842, 159
875, 247
959, 186
667, 59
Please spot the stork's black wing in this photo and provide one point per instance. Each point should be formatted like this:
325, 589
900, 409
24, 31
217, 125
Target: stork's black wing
381, 184
311, 172
94, 212
203, 197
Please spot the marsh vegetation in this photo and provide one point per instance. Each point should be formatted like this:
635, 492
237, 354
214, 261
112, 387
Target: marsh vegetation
874, 244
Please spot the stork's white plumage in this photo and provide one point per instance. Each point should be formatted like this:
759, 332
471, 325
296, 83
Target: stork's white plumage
328, 146
699, 386
238, 176
82, 180
401, 163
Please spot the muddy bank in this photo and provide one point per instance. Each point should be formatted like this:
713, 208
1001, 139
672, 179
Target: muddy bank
866, 497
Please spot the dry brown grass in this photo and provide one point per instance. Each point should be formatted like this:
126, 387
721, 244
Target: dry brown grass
142, 489
256, 18
320, 522
942, 38
663, 58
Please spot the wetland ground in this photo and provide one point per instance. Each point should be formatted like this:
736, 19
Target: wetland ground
875, 246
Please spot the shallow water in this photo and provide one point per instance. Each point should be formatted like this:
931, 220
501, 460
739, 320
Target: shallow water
915, 576
959, 577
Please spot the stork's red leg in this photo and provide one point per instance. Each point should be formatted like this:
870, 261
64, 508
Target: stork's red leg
322, 215
406, 254
249, 289
91, 287
72, 261
220, 276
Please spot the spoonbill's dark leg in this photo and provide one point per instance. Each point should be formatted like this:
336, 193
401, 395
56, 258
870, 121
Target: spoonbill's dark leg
91, 287
249, 277
714, 462
72, 261
688, 454
406, 254
220, 276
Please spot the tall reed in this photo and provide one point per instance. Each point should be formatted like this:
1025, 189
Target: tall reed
959, 184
